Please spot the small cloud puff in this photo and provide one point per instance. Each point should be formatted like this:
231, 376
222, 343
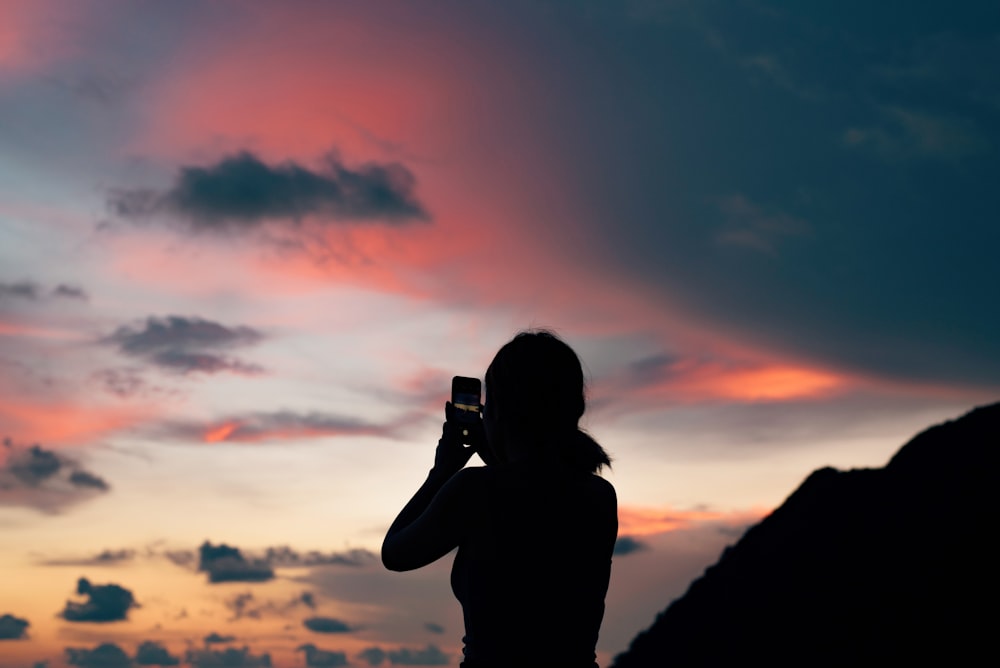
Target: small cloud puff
105, 603
13, 628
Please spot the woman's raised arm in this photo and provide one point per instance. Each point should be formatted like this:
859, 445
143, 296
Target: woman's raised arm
432, 523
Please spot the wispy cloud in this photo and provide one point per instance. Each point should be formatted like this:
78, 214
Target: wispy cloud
102, 558
644, 521
32, 291
748, 225
246, 605
904, 133
186, 344
279, 425
44, 479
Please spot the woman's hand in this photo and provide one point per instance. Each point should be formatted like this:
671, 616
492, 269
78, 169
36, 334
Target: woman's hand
452, 453
459, 439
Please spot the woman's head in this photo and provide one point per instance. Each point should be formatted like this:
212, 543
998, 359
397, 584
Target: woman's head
535, 398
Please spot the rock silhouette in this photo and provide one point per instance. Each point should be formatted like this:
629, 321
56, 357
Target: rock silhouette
862, 567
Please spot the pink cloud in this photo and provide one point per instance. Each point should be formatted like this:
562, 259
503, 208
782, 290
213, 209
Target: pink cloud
646, 521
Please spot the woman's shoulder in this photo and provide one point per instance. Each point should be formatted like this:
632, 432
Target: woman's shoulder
472, 481
602, 487
603, 493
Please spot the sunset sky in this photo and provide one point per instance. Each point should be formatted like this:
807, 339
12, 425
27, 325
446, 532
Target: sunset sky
244, 246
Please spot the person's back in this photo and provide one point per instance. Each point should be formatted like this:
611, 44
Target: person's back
533, 572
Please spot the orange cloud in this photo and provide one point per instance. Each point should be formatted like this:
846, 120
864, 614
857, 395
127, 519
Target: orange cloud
776, 382
285, 425
221, 432
640, 521
693, 379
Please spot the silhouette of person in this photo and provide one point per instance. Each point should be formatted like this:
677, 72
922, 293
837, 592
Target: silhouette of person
534, 528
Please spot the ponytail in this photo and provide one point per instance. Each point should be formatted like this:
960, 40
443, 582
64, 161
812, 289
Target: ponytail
581, 452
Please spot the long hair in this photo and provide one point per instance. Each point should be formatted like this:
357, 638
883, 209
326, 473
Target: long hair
538, 383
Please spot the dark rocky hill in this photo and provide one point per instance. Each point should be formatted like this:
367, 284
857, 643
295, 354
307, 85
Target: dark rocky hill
864, 567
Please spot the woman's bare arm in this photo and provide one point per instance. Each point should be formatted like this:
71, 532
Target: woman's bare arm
432, 522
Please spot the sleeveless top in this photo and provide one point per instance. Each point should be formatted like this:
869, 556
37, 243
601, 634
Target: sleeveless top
532, 570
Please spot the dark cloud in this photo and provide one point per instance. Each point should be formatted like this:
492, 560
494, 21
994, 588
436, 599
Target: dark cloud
105, 655
85, 479
627, 545
20, 290
151, 653
374, 656
241, 192
229, 657
285, 556
188, 362
13, 628
326, 625
186, 345
34, 465
240, 606
31, 291
226, 564
434, 628
105, 603
70, 292
320, 658
214, 638
102, 558
404, 656
44, 479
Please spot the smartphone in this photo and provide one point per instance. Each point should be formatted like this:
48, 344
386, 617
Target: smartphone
466, 397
